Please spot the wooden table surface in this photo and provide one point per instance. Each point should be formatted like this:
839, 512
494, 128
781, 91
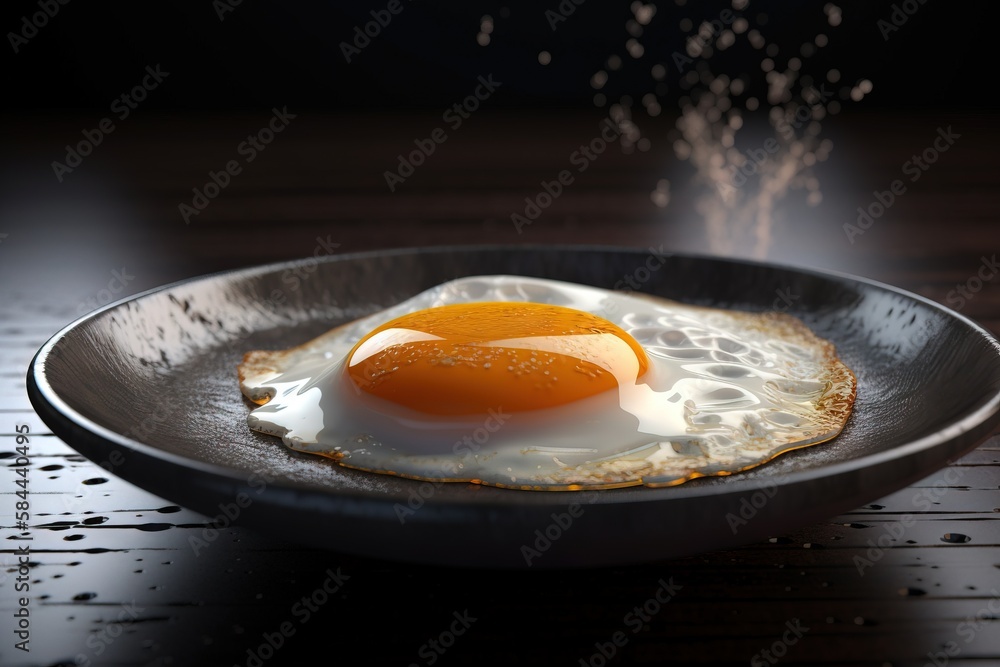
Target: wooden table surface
113, 576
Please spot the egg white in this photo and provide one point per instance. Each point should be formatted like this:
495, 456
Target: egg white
725, 391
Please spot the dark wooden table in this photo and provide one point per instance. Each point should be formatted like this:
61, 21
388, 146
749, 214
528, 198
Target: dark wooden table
113, 576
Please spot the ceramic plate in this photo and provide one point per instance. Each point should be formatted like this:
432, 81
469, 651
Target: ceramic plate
147, 387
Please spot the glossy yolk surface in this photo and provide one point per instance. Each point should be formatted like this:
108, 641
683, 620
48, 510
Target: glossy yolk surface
469, 358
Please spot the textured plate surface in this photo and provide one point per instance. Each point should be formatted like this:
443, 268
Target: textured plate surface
147, 388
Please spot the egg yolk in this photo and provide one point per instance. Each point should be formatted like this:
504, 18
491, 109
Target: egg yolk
469, 358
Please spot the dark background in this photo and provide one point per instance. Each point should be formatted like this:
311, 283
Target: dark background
229, 68
262, 54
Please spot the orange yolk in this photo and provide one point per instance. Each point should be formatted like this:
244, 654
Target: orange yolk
469, 358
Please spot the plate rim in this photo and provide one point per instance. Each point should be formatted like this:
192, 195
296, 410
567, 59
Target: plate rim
49, 405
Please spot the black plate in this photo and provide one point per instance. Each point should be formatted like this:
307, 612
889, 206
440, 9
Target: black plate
147, 388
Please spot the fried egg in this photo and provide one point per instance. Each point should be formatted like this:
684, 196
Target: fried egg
539, 384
